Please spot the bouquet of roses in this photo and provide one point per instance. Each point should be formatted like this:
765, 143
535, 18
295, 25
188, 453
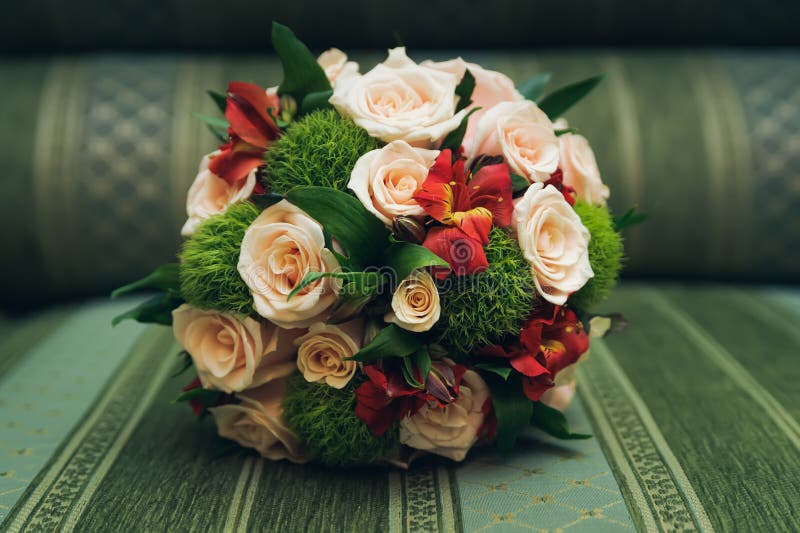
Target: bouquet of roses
385, 264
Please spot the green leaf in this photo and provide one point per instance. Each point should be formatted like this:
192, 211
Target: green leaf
220, 99
163, 278
558, 102
630, 218
360, 283
422, 360
316, 100
464, 90
212, 121
186, 363
559, 133
454, 138
533, 88
219, 133
301, 72
358, 231
156, 310
512, 409
553, 422
404, 257
408, 374
207, 397
391, 341
519, 183
502, 371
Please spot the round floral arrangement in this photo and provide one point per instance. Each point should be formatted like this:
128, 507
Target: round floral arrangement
384, 264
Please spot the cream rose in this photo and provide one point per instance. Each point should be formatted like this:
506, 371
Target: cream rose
400, 100
279, 248
522, 134
450, 431
386, 179
579, 166
321, 352
491, 88
233, 354
335, 64
257, 422
415, 303
554, 241
210, 195
561, 395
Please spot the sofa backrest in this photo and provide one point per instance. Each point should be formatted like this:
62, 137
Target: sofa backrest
99, 151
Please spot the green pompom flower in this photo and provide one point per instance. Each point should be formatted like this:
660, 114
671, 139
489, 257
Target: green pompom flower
208, 274
482, 309
319, 149
605, 256
324, 418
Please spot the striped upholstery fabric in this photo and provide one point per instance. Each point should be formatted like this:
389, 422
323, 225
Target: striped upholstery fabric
695, 413
103, 150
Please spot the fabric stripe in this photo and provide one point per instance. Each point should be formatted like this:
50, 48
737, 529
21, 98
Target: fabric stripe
637, 443
716, 156
722, 358
235, 510
63, 483
745, 469
395, 502
250, 495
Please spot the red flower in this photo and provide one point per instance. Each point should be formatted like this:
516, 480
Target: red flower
467, 206
251, 131
548, 343
387, 397
557, 181
194, 403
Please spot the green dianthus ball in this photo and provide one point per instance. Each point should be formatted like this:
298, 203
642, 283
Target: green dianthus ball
605, 255
325, 419
319, 149
481, 309
208, 274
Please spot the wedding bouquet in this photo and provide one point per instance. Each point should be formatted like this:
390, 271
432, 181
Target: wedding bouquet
391, 263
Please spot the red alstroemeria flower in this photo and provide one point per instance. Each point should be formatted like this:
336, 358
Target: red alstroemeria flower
251, 131
548, 343
467, 206
387, 397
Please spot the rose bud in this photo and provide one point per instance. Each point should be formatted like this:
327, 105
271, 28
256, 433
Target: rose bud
408, 229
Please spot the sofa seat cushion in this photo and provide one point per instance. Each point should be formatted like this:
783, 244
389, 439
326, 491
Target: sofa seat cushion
694, 411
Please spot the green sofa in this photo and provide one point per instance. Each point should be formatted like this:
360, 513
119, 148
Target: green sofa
695, 408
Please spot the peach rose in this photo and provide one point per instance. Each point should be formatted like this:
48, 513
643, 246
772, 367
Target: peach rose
522, 134
386, 179
232, 354
561, 395
554, 241
450, 431
415, 303
335, 64
491, 88
279, 248
400, 100
210, 195
321, 352
257, 422
579, 167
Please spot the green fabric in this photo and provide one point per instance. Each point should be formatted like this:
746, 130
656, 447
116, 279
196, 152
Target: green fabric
52, 365
694, 409
243, 25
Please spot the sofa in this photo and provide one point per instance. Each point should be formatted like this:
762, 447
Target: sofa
694, 409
